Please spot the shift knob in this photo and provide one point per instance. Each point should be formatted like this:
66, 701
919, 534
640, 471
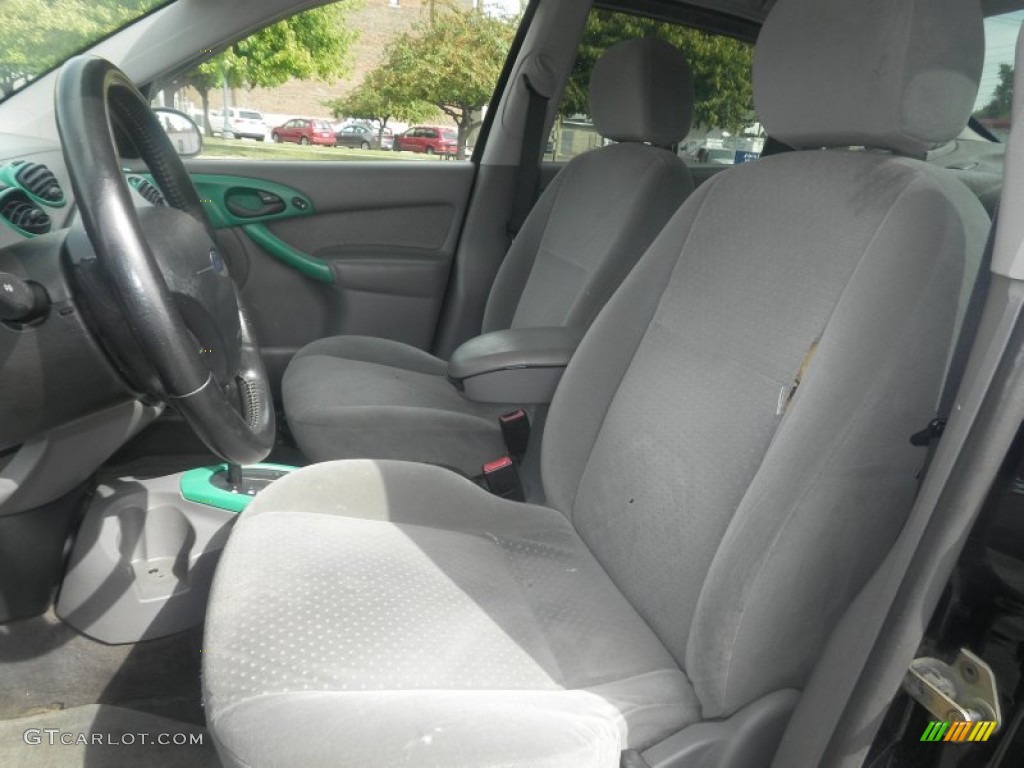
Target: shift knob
19, 300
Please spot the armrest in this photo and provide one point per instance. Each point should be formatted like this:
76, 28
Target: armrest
520, 365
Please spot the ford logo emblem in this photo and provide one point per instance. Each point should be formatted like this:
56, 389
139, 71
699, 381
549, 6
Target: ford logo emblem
217, 262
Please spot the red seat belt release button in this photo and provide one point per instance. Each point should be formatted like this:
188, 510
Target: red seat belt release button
502, 479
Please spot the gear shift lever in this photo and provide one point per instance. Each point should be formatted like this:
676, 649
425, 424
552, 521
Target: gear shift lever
235, 477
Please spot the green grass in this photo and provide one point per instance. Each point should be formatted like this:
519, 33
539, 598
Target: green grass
267, 150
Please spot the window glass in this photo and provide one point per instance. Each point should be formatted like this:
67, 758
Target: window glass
39, 35
725, 128
388, 65
992, 109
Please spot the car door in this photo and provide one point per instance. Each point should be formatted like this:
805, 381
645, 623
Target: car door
347, 137
430, 140
416, 138
328, 248
325, 243
284, 132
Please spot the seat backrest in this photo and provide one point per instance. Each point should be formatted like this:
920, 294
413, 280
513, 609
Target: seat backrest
599, 214
737, 515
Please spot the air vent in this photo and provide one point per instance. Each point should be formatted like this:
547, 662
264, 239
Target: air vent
147, 189
151, 193
24, 215
38, 181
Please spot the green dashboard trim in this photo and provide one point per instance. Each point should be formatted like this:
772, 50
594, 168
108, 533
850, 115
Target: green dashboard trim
8, 177
310, 266
195, 486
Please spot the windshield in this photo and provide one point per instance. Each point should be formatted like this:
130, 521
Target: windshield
39, 35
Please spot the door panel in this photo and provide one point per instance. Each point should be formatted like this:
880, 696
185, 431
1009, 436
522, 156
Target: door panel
367, 250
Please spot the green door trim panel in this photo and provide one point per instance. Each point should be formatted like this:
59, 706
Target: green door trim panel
310, 266
227, 198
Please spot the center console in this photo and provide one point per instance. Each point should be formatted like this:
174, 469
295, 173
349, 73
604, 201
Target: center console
144, 556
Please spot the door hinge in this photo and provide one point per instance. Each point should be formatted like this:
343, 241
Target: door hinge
963, 690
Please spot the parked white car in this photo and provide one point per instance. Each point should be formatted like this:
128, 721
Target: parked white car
242, 123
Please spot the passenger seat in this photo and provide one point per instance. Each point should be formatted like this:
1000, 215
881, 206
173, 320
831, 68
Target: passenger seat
362, 397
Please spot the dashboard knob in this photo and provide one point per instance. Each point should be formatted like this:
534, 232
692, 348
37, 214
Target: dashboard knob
20, 301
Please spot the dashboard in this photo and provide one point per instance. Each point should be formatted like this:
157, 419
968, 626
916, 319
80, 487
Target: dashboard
64, 407
34, 189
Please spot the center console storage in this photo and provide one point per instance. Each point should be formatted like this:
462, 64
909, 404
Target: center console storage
144, 556
518, 365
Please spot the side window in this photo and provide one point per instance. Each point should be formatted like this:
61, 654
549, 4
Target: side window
387, 64
993, 108
725, 129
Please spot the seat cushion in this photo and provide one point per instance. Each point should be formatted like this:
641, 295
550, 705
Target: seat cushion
351, 397
404, 616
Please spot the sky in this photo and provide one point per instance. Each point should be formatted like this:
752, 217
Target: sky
1000, 40
510, 7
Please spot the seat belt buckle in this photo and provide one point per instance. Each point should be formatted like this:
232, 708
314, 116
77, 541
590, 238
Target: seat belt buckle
515, 431
502, 479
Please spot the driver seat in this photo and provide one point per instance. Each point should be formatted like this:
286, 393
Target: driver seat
708, 518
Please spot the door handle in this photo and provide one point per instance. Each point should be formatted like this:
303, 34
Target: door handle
253, 203
311, 266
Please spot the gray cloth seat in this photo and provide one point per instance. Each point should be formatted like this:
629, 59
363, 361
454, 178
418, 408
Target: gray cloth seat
445, 583
705, 524
357, 397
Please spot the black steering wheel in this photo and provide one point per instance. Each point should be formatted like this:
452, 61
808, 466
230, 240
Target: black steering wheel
153, 281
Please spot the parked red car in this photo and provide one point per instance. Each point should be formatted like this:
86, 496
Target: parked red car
305, 130
432, 139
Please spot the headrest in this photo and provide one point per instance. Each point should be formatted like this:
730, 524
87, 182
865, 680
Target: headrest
900, 75
642, 90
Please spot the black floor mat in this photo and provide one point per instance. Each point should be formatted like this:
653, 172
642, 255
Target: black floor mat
48, 666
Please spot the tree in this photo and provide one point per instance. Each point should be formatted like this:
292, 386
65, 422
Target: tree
1001, 104
451, 60
723, 96
311, 45
380, 98
39, 34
